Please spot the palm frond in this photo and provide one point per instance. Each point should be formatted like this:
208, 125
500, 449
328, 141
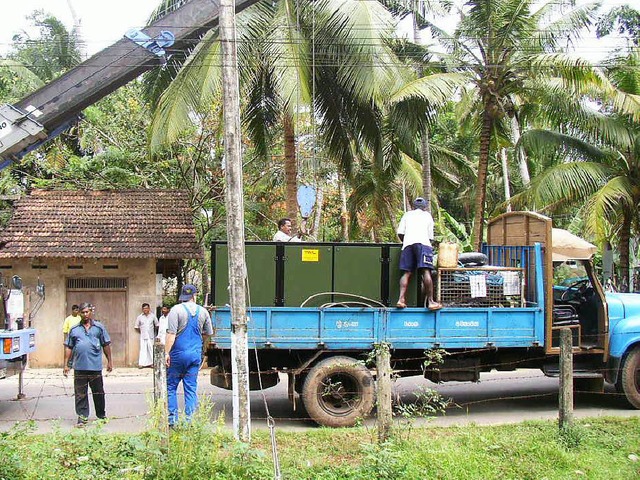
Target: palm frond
565, 27
604, 205
627, 104
575, 116
564, 184
354, 35
540, 141
194, 87
435, 89
577, 73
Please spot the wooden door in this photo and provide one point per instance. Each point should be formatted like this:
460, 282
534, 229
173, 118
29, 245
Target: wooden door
110, 310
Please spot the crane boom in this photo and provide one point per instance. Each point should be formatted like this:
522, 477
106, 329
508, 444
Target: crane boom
50, 110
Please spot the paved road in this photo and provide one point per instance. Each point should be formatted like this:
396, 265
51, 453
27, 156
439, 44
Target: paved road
500, 397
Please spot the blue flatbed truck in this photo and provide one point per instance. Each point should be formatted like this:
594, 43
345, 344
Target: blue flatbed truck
507, 319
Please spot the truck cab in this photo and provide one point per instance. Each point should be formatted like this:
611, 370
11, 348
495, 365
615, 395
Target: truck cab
605, 325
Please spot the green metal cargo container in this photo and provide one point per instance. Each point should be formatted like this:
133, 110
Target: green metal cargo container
357, 270
261, 270
308, 270
288, 274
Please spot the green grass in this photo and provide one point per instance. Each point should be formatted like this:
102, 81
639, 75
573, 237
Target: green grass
592, 449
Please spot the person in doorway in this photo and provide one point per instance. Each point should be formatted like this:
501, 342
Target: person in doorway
163, 323
189, 326
71, 321
146, 324
284, 232
85, 343
416, 232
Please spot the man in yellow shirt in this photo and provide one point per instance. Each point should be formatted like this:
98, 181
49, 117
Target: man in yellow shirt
71, 321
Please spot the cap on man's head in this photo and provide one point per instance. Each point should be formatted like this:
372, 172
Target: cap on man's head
188, 291
420, 203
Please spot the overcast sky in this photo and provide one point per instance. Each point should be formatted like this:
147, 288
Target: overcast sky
104, 22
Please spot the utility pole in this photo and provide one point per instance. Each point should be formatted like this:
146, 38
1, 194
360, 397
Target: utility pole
77, 29
235, 222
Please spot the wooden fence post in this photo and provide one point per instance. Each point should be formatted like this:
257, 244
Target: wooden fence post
566, 379
383, 364
160, 382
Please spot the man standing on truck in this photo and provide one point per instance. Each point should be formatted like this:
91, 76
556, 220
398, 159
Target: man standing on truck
416, 232
86, 341
189, 328
284, 232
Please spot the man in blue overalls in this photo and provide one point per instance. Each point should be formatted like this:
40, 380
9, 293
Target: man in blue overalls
189, 327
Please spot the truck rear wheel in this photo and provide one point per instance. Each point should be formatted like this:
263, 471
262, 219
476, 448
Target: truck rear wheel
338, 391
630, 377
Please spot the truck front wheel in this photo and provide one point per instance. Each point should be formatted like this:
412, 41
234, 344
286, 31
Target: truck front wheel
630, 377
338, 391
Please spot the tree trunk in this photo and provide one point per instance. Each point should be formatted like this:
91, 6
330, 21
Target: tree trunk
505, 177
318, 212
481, 185
344, 213
625, 235
425, 150
290, 171
205, 273
519, 152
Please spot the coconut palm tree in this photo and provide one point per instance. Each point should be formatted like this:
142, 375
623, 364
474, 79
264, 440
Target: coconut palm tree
330, 61
419, 10
328, 57
498, 41
600, 170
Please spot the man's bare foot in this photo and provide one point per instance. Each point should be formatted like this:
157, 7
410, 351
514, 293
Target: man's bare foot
434, 306
401, 305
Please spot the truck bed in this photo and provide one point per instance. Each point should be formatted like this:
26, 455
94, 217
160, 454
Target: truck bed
340, 328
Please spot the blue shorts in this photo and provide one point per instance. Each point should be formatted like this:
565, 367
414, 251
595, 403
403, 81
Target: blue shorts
416, 256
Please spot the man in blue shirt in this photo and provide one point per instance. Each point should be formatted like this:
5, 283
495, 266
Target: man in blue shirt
85, 342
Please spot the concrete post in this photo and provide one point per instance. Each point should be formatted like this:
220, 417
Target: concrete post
235, 222
566, 379
385, 414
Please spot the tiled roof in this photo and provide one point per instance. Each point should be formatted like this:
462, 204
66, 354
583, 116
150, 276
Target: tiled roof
101, 224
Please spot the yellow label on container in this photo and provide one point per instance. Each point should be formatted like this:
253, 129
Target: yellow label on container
309, 255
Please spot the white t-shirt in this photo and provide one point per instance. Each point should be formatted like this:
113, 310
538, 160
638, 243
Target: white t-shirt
417, 227
163, 324
280, 236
